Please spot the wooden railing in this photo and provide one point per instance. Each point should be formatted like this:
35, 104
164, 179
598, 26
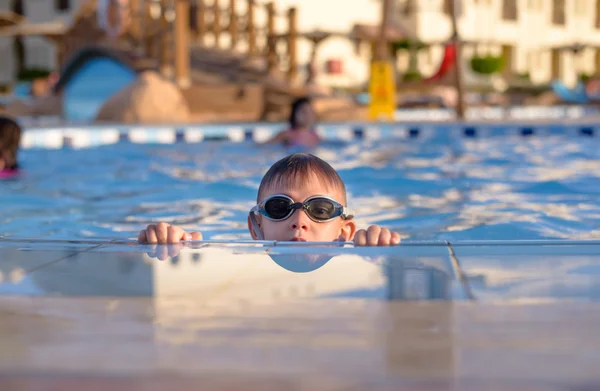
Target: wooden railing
207, 25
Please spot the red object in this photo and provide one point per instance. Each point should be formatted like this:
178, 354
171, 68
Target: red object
447, 63
334, 67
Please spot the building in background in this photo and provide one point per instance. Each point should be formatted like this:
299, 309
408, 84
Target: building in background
546, 39
541, 39
36, 52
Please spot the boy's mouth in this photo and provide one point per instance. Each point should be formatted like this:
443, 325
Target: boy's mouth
297, 240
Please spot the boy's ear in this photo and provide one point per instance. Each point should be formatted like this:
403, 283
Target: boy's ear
253, 233
348, 229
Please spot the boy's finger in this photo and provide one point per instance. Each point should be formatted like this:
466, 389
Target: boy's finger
195, 236
395, 238
175, 234
151, 235
385, 237
142, 237
373, 235
360, 238
161, 232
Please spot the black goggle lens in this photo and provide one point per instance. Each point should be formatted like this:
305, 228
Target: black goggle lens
278, 207
319, 208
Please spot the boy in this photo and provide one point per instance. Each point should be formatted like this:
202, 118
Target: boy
300, 198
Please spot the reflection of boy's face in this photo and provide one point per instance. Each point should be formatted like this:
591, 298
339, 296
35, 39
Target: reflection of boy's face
299, 226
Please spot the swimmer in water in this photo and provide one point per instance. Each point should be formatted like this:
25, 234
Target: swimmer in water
301, 132
300, 198
10, 137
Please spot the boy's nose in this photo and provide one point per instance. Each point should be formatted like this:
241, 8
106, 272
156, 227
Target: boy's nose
299, 220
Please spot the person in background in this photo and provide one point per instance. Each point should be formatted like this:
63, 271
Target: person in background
301, 132
10, 137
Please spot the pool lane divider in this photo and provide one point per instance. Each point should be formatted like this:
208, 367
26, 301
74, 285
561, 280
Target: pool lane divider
79, 137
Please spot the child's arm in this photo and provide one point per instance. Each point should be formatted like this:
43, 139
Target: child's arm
376, 236
279, 138
163, 233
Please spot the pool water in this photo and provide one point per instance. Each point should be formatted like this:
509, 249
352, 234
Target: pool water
457, 189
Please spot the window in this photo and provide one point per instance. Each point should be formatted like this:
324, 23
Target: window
558, 12
408, 8
17, 7
62, 5
509, 10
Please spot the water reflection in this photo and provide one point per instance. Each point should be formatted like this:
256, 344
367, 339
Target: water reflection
301, 263
222, 273
251, 272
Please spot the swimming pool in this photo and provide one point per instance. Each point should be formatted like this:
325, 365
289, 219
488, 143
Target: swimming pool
428, 183
103, 311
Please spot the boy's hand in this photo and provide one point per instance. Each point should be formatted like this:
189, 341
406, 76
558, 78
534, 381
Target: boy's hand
376, 236
163, 233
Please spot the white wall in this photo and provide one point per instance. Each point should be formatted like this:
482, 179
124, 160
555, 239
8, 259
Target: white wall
337, 16
531, 35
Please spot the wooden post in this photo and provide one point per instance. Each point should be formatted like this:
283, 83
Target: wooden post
460, 106
271, 43
217, 22
251, 30
150, 47
382, 52
182, 43
201, 21
135, 14
165, 40
292, 31
233, 28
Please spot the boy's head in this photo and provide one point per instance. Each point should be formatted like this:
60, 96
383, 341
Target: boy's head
10, 137
301, 179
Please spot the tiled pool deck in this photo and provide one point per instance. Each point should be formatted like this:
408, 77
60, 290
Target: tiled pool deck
80, 316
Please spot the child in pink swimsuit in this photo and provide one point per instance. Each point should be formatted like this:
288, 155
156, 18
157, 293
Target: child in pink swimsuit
10, 137
301, 132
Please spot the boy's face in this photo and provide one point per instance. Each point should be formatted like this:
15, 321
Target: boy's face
299, 225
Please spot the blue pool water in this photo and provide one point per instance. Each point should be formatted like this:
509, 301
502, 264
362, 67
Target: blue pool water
494, 188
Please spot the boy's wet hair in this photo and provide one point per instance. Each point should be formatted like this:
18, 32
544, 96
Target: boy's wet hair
10, 137
297, 168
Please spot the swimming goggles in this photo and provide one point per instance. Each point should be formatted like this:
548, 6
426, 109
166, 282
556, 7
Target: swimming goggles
320, 209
